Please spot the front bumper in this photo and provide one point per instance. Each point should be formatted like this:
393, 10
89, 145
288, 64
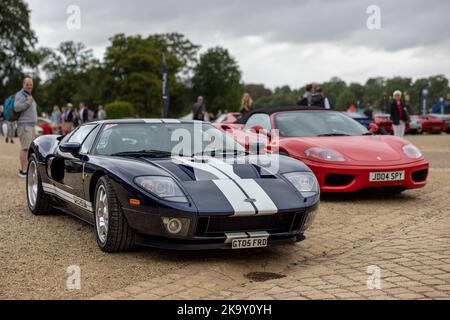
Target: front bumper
343, 179
209, 243
210, 232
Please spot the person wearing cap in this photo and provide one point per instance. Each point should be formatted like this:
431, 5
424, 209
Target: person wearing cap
399, 114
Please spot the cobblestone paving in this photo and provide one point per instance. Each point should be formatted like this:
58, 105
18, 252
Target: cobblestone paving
404, 237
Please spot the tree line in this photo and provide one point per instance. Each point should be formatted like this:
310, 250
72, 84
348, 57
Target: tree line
130, 73
376, 91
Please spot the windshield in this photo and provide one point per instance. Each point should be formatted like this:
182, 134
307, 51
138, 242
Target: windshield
164, 139
317, 123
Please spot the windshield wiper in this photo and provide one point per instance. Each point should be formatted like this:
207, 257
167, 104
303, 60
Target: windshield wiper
140, 153
368, 134
334, 135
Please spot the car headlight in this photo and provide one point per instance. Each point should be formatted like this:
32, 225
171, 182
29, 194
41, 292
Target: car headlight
163, 187
305, 182
411, 151
324, 154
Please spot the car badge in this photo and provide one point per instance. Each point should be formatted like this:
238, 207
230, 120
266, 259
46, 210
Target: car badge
379, 158
250, 200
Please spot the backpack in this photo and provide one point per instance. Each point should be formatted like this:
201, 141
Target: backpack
9, 114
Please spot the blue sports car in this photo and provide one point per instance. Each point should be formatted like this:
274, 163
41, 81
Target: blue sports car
361, 118
143, 182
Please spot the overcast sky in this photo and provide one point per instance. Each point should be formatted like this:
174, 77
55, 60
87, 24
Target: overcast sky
275, 42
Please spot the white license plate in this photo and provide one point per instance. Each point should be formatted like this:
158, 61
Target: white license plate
259, 242
387, 176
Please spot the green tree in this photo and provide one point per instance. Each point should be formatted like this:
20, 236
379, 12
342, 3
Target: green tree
257, 91
374, 92
17, 42
217, 77
345, 99
397, 83
279, 99
132, 72
438, 88
415, 93
182, 48
120, 110
68, 70
358, 91
333, 89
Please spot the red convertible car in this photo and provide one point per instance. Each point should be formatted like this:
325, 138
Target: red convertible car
384, 121
46, 125
344, 156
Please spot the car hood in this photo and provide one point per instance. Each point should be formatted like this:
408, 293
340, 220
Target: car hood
364, 149
238, 186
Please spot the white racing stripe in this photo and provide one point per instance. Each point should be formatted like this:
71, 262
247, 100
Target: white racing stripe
233, 187
49, 188
263, 202
235, 197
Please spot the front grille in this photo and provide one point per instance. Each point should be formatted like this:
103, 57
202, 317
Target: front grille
420, 176
338, 180
282, 222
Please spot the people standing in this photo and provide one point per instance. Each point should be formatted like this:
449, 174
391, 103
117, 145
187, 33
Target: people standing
101, 113
56, 119
68, 118
83, 113
305, 101
399, 114
25, 104
246, 104
76, 119
199, 110
319, 100
408, 103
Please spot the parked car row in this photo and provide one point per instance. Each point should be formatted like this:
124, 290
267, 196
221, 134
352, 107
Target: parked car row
432, 123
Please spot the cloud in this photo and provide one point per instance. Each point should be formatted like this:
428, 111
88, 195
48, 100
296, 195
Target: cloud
308, 34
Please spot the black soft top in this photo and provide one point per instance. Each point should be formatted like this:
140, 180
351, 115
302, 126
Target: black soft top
269, 111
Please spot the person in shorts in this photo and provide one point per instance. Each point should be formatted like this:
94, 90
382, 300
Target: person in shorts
25, 104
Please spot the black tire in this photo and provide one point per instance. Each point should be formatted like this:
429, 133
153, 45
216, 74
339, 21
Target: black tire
43, 204
120, 237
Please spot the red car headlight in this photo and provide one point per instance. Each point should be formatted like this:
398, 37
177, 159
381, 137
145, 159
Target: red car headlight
324, 154
411, 151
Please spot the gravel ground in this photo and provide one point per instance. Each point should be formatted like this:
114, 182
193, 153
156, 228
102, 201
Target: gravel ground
36, 251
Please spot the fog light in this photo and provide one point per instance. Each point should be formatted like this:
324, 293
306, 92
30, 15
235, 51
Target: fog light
176, 226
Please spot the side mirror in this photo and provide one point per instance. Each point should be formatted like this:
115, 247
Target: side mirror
256, 147
70, 147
